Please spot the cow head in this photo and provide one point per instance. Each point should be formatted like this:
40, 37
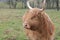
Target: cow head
33, 18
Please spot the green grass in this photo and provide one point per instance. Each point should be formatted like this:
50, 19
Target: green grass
11, 23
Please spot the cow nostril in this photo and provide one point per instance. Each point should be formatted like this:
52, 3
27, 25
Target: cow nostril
25, 25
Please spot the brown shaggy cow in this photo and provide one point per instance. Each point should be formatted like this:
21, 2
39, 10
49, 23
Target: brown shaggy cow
38, 25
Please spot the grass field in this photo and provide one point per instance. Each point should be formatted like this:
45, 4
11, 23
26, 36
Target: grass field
11, 24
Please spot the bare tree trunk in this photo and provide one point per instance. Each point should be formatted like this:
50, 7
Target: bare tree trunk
57, 5
15, 3
48, 3
10, 3
38, 3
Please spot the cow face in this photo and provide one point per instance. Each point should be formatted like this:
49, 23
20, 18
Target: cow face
32, 19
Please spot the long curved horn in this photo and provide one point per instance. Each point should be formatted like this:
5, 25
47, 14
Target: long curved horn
29, 5
43, 4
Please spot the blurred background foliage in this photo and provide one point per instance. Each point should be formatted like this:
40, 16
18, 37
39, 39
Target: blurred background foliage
50, 4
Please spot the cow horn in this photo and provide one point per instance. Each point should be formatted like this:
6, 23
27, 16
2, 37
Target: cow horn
29, 5
43, 5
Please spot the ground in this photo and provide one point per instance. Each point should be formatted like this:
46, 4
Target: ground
11, 23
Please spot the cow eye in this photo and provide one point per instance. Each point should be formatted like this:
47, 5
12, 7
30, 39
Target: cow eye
33, 17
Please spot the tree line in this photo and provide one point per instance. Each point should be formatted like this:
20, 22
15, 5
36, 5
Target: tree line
50, 4
13, 3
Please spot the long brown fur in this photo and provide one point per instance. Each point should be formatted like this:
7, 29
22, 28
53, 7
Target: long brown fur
38, 25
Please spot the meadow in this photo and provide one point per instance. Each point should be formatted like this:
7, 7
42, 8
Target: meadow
11, 27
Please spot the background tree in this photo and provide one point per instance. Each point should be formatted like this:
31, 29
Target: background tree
12, 3
57, 4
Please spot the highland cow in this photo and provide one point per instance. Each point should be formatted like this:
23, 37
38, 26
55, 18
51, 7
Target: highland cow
37, 24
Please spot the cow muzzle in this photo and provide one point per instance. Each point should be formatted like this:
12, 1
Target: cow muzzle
26, 25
